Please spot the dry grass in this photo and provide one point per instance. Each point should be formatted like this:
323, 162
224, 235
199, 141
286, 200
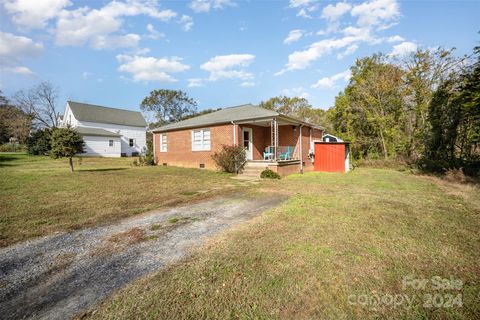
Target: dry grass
120, 242
337, 237
39, 196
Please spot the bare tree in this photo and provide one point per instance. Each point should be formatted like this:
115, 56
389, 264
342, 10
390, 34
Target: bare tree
40, 102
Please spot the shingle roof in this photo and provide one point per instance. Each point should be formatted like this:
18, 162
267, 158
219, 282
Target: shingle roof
85, 131
94, 113
238, 113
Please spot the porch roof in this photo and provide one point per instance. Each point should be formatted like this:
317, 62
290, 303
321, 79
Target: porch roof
242, 113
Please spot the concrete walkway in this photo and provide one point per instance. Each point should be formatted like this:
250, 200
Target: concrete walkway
63, 275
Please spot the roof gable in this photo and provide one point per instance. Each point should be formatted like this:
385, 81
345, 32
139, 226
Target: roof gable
226, 115
100, 114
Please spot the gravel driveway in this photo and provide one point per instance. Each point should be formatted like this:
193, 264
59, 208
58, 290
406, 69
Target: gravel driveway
62, 275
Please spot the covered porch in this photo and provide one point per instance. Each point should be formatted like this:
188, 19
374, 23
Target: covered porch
274, 143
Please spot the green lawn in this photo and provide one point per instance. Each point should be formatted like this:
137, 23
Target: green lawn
338, 240
39, 195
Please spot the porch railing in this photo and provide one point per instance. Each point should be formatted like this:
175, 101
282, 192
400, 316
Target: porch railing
282, 152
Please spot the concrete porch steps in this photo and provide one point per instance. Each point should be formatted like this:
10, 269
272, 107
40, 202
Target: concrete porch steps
252, 170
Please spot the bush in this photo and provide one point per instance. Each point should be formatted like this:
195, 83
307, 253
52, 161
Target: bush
230, 159
40, 142
455, 175
269, 174
12, 147
143, 161
66, 143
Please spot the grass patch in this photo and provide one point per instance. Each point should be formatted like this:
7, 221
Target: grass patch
156, 227
39, 196
338, 237
189, 193
173, 220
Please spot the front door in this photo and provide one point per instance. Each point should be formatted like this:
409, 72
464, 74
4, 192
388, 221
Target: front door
248, 142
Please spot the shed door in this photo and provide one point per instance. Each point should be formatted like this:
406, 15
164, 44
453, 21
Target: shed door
329, 157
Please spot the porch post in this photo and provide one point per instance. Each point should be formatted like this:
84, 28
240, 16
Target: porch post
301, 148
275, 138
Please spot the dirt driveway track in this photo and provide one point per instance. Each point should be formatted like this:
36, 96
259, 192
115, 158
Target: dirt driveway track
62, 275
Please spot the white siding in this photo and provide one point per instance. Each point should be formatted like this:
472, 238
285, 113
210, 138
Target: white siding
96, 146
68, 118
127, 132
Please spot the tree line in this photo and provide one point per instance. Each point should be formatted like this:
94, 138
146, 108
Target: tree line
424, 109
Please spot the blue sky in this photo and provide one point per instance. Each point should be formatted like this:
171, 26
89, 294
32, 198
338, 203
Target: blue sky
221, 52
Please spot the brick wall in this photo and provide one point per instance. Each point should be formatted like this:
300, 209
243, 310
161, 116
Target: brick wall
179, 147
308, 136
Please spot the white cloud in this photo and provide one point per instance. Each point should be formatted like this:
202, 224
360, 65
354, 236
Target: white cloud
13, 48
248, 84
153, 33
96, 26
371, 16
150, 68
101, 42
331, 82
32, 14
350, 50
293, 36
229, 67
395, 38
187, 22
304, 7
200, 6
195, 82
376, 13
403, 48
334, 12
299, 60
17, 70
295, 92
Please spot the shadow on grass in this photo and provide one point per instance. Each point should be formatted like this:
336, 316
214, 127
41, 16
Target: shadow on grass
101, 169
5, 158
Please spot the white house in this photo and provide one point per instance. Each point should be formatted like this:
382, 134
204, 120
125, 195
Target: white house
107, 132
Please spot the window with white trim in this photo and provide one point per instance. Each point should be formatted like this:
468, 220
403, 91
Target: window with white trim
201, 140
163, 142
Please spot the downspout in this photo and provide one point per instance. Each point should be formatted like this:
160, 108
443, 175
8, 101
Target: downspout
301, 151
234, 134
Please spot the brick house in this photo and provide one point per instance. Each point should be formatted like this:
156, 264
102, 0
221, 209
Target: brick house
271, 140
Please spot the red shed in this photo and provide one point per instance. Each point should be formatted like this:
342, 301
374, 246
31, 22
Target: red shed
332, 156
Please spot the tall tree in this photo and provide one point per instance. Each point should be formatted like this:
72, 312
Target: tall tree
286, 105
168, 105
369, 109
454, 122
296, 107
14, 123
40, 102
425, 71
